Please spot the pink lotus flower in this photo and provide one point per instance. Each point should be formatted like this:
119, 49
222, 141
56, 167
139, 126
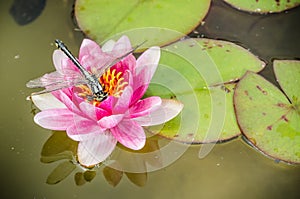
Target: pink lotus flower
98, 126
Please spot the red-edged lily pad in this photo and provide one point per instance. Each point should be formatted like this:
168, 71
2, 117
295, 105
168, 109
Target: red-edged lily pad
157, 22
269, 118
194, 71
263, 6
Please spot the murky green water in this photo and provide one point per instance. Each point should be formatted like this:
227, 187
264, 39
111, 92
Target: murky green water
231, 170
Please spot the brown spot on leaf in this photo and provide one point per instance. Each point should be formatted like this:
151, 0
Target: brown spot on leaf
227, 50
280, 104
284, 118
246, 92
190, 134
263, 113
261, 90
269, 127
277, 2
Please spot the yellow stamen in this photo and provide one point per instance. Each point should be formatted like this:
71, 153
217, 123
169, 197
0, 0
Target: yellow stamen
113, 84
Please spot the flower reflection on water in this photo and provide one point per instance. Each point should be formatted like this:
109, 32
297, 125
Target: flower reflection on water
59, 147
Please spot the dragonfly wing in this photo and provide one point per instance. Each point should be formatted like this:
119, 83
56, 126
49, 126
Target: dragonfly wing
115, 60
60, 85
55, 78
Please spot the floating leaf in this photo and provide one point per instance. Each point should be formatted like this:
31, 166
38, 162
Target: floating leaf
263, 6
195, 70
149, 20
61, 172
267, 118
112, 176
138, 179
287, 74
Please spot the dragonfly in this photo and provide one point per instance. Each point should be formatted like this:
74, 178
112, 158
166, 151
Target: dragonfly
56, 81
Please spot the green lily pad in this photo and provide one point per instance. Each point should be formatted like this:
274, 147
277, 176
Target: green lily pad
63, 170
194, 70
269, 120
290, 85
149, 20
263, 6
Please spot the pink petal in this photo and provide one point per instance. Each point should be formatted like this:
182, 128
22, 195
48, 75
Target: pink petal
57, 57
129, 62
145, 106
149, 59
96, 149
130, 134
122, 46
95, 63
107, 104
54, 119
92, 112
138, 93
65, 96
108, 46
167, 111
83, 129
46, 101
110, 121
90, 48
123, 101
145, 68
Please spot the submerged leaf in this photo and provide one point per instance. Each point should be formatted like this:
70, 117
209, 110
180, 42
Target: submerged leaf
53, 158
266, 117
89, 175
138, 179
79, 179
58, 143
112, 176
61, 172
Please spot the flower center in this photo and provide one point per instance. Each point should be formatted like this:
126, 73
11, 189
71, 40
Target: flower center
112, 82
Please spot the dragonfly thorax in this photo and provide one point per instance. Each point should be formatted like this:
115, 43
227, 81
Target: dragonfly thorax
97, 90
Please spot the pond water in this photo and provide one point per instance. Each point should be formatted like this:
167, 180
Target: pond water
230, 170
